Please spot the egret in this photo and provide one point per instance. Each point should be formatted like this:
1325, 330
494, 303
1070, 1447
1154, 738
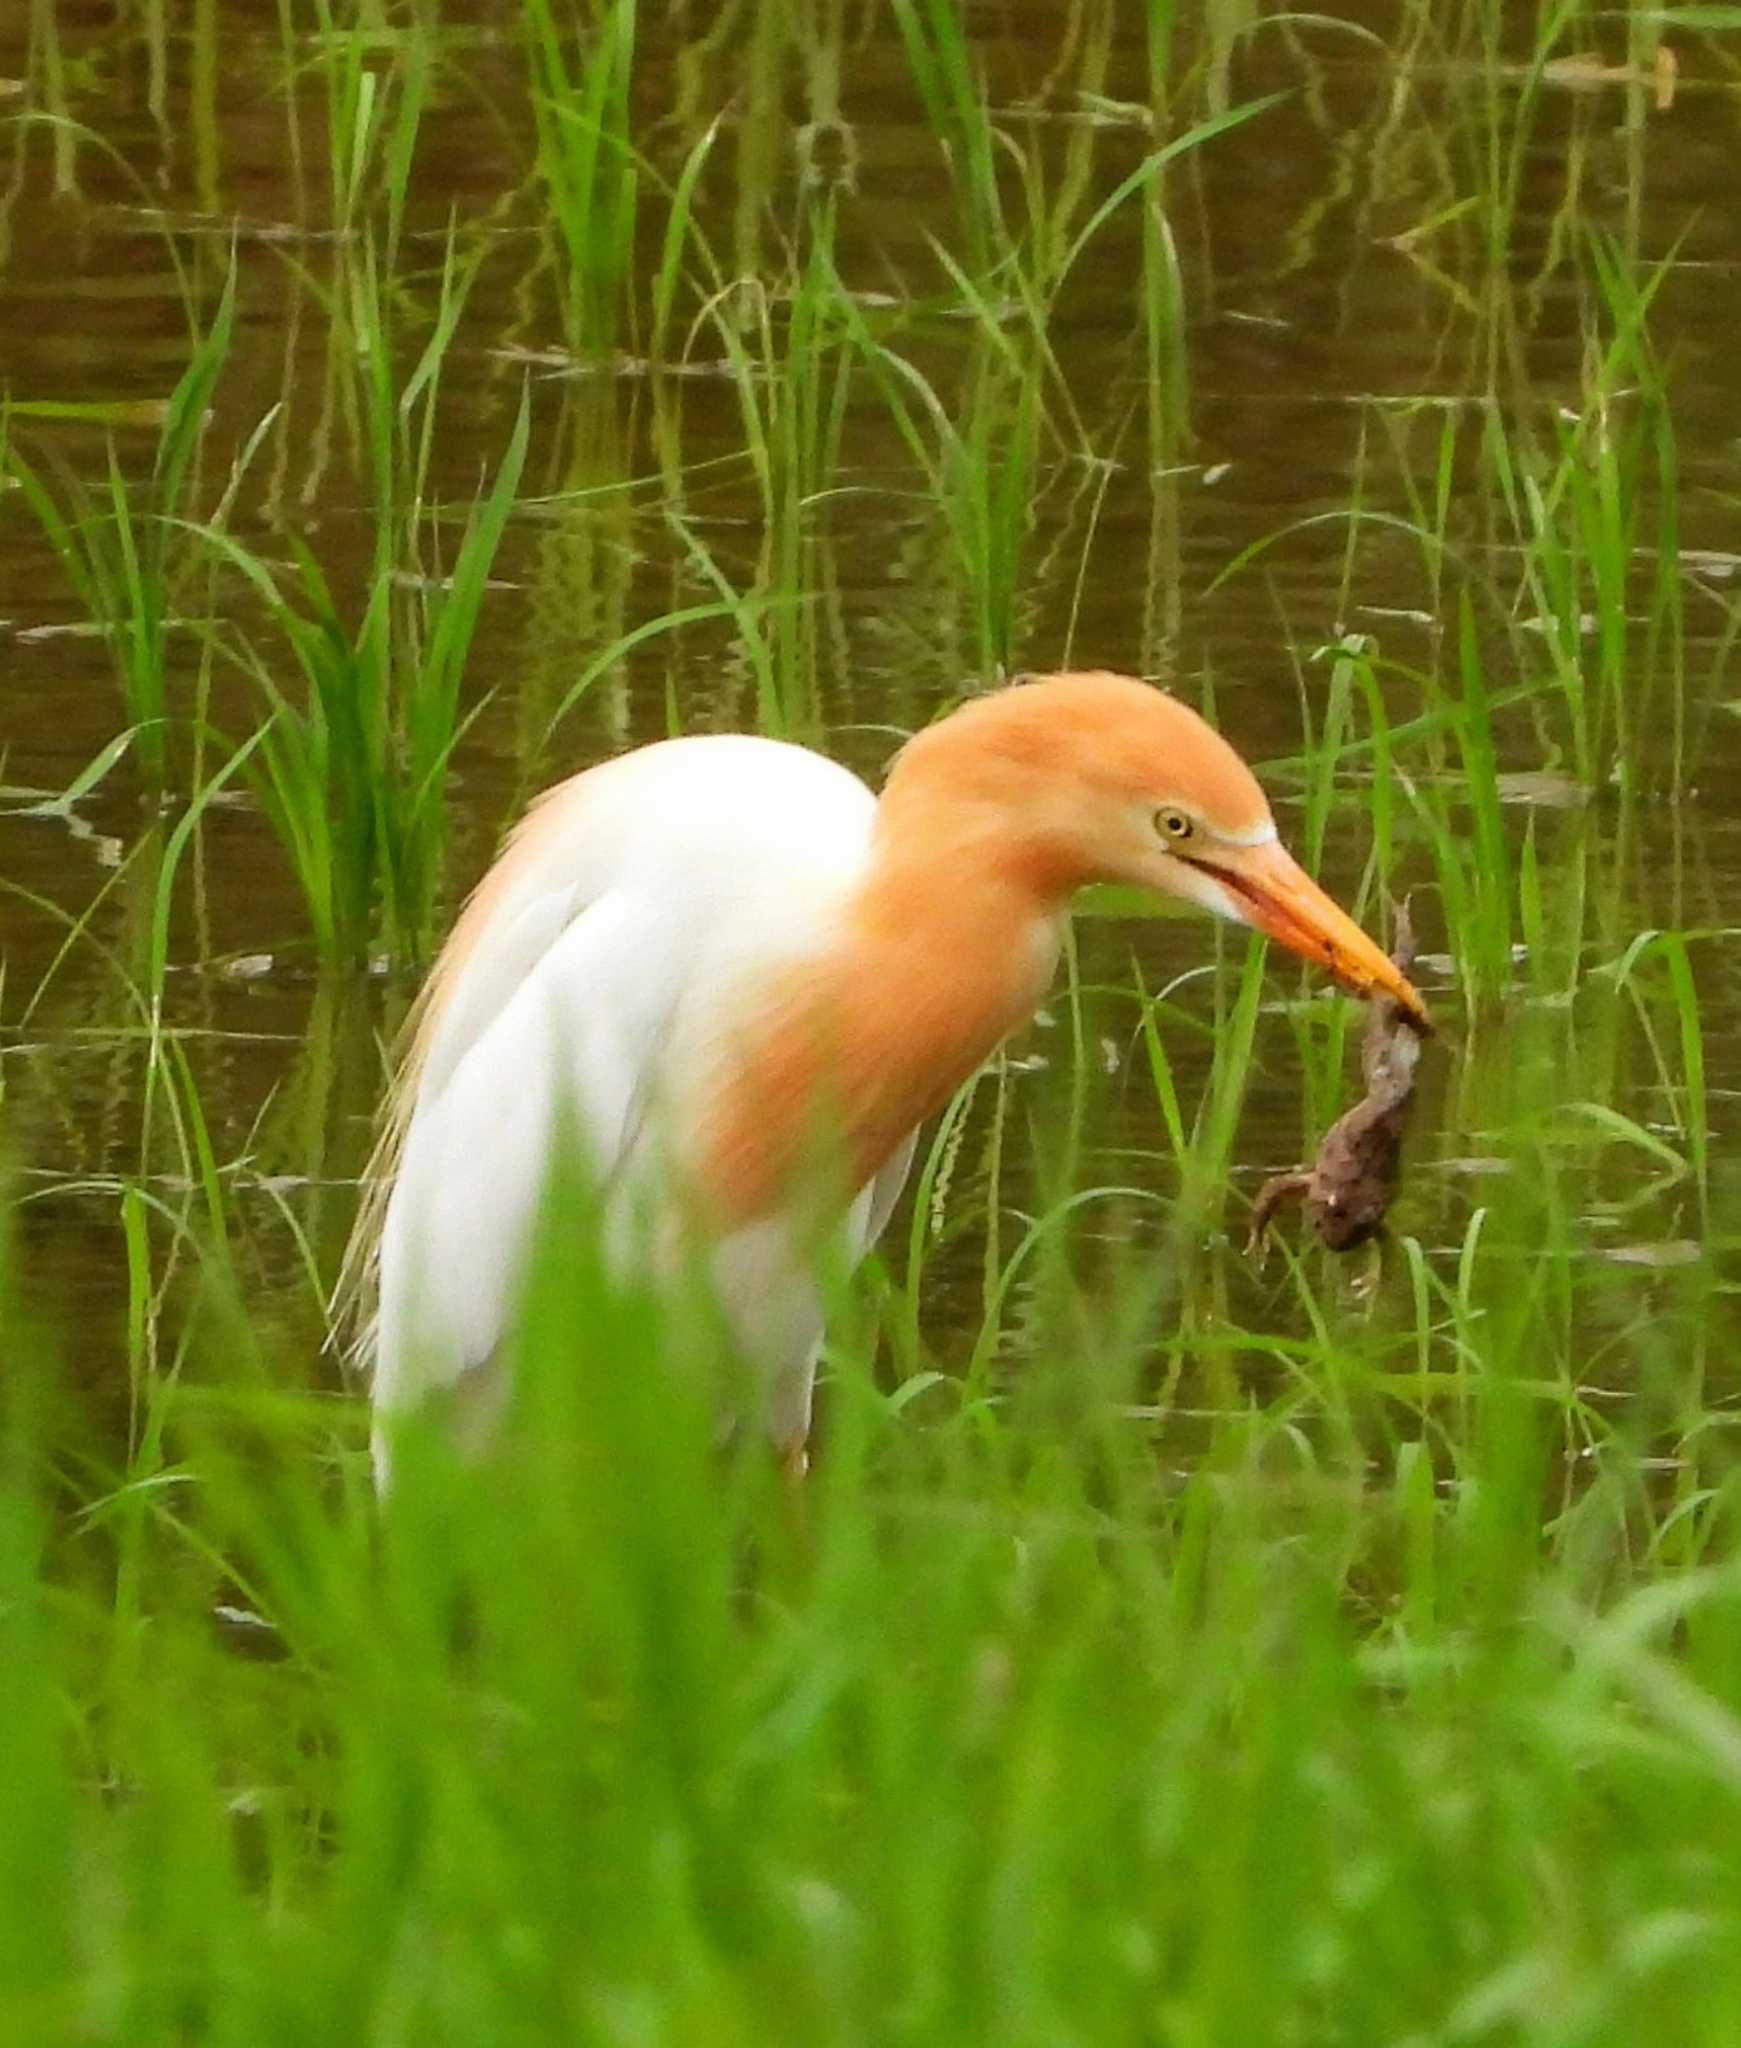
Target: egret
707, 954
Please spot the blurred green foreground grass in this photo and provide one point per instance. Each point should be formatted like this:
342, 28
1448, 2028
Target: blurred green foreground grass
1008, 1730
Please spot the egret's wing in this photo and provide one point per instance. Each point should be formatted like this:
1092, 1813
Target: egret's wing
886, 1188
569, 1050
561, 860
586, 986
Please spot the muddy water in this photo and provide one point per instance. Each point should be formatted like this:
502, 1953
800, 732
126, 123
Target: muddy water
1328, 328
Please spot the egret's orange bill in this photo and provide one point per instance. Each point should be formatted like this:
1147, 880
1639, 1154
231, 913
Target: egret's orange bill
1280, 898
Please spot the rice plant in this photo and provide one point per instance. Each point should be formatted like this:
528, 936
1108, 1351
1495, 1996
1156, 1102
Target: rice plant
129, 563
351, 770
581, 67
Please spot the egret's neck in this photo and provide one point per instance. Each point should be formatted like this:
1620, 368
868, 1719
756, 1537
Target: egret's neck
954, 950
944, 947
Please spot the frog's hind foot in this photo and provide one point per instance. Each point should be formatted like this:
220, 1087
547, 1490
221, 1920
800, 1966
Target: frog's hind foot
1363, 1288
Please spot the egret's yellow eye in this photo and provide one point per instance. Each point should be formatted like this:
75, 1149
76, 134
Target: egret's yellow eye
1174, 825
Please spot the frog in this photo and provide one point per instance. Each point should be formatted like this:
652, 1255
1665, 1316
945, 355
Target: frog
1349, 1186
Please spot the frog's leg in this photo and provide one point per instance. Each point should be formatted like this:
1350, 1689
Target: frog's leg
1278, 1189
1364, 1286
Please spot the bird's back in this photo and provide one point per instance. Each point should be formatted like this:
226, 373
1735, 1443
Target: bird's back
590, 977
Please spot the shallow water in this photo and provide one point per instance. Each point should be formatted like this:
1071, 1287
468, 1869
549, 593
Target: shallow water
1321, 354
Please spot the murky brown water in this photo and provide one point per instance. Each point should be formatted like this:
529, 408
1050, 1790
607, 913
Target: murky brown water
1304, 313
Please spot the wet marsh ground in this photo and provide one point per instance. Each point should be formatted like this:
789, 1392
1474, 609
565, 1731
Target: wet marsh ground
407, 405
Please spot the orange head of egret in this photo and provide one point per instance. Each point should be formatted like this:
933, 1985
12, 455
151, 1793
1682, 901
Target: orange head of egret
1096, 777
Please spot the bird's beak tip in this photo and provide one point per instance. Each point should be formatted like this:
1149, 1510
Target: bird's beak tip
1402, 992
1359, 966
